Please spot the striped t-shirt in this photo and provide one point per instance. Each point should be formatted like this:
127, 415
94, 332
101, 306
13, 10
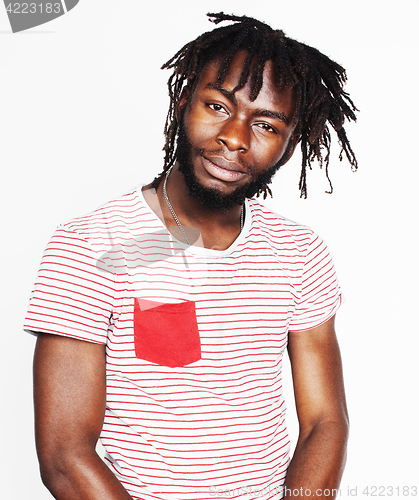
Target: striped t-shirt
194, 341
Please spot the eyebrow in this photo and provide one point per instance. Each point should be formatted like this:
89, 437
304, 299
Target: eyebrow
227, 93
259, 111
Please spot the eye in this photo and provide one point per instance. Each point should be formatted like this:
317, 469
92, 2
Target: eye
265, 126
216, 107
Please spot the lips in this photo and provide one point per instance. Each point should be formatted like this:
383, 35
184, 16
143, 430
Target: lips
221, 162
223, 169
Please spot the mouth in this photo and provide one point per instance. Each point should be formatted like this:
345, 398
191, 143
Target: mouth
223, 169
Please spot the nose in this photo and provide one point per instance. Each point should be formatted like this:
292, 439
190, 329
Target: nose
235, 134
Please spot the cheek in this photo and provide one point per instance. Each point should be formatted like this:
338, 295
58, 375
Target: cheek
268, 154
196, 128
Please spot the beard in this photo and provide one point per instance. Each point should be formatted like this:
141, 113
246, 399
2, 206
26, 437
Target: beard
213, 198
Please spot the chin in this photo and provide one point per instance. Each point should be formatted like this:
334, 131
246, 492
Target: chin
210, 198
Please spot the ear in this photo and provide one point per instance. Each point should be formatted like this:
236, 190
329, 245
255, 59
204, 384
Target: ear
183, 101
295, 139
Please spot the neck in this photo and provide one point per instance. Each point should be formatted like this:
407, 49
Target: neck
217, 229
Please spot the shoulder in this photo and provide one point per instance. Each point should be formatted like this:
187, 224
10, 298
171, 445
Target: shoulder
115, 221
118, 210
278, 230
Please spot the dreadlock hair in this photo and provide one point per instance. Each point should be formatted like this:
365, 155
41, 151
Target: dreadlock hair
317, 82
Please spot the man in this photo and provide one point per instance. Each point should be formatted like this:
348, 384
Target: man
162, 317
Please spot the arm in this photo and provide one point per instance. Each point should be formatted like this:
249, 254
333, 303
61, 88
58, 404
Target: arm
69, 396
320, 454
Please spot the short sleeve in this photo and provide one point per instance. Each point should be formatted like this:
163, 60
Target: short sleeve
72, 296
320, 295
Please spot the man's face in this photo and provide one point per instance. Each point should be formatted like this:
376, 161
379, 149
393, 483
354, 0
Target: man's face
228, 145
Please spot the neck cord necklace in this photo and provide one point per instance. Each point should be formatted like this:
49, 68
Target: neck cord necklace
174, 213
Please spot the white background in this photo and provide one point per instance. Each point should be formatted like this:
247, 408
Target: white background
83, 104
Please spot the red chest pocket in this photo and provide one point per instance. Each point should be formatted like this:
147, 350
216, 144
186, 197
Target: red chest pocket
167, 334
